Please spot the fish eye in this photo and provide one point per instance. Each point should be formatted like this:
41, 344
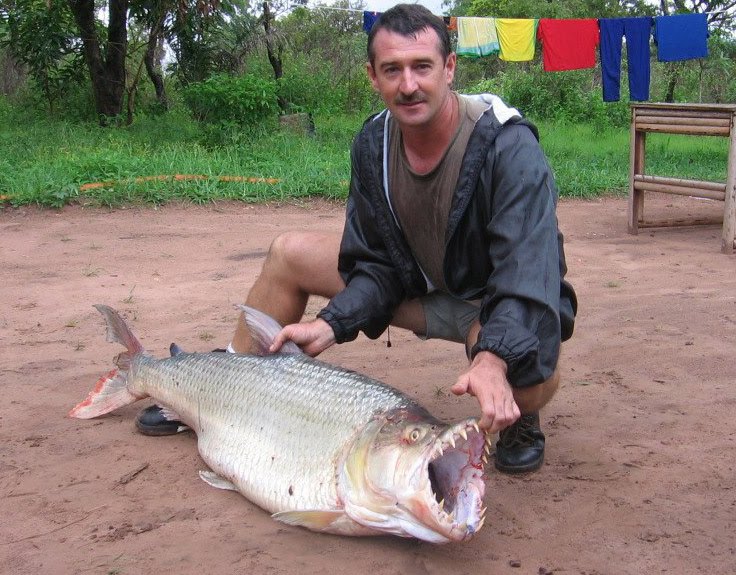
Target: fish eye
414, 435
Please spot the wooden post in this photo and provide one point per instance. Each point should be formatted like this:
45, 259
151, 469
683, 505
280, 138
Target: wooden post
636, 166
729, 213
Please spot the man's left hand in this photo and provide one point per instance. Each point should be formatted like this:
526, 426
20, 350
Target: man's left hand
486, 381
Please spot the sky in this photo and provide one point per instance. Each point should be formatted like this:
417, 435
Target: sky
380, 5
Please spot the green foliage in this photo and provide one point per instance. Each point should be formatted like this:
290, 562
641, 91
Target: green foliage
232, 100
309, 85
560, 96
46, 161
40, 34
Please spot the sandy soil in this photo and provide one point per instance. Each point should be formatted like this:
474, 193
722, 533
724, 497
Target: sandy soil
639, 474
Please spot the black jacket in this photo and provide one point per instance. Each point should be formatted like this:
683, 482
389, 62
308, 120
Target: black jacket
502, 245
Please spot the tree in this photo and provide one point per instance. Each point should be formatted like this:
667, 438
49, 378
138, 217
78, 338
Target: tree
39, 34
105, 60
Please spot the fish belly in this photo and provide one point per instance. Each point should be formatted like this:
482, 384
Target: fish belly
275, 426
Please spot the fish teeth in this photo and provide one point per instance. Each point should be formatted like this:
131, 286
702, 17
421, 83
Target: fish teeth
480, 523
463, 433
442, 504
475, 426
451, 440
483, 513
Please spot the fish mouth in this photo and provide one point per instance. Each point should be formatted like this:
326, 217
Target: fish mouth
455, 468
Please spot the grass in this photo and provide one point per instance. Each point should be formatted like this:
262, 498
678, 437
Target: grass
47, 162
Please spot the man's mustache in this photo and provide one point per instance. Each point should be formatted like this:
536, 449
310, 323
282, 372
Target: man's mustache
414, 98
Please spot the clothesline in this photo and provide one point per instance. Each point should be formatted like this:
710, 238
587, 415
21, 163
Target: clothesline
305, 4
574, 43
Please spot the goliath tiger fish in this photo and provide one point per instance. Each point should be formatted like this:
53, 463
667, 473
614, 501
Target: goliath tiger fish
315, 445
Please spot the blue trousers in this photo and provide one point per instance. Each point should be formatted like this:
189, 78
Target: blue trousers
637, 32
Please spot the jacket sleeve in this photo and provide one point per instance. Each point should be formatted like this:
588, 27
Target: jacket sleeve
373, 286
520, 312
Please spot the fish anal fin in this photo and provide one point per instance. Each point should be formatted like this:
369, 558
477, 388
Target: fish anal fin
211, 478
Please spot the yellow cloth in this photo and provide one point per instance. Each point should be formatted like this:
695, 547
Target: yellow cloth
516, 37
476, 36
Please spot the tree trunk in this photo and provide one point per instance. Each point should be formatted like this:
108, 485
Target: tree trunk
107, 73
672, 81
152, 60
274, 53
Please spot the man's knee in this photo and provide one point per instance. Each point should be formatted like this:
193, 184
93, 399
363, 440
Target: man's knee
287, 246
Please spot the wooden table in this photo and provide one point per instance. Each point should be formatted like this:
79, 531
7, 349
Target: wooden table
695, 120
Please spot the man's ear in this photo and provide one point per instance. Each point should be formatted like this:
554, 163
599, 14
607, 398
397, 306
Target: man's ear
450, 67
372, 75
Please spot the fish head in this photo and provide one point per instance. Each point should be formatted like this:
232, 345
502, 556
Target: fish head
411, 475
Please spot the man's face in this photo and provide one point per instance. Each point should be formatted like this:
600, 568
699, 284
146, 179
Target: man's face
411, 76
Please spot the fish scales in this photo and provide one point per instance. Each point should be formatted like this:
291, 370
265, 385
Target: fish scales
254, 414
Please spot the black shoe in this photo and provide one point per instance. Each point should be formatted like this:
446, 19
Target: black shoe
153, 421
520, 447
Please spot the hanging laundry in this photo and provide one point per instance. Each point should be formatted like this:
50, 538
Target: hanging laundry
451, 22
516, 38
568, 44
637, 32
681, 37
369, 18
476, 36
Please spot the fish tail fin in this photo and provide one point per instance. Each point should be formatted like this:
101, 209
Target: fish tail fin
111, 390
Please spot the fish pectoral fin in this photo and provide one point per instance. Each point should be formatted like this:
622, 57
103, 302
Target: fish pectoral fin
317, 520
211, 478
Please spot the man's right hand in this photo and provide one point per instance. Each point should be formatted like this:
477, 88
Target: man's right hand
313, 337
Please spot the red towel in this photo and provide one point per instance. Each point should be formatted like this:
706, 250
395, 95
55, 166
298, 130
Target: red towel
568, 44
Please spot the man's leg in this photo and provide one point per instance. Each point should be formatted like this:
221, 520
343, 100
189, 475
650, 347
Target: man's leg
299, 264
520, 447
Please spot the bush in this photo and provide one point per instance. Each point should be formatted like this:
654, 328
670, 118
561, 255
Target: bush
569, 97
241, 100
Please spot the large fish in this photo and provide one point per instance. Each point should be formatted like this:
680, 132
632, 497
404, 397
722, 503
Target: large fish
314, 444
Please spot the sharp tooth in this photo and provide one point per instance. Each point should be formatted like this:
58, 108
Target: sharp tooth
480, 523
487, 449
442, 505
484, 459
440, 450
483, 512
451, 441
463, 433
475, 426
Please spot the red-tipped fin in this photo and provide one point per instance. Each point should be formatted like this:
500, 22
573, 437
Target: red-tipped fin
263, 330
110, 393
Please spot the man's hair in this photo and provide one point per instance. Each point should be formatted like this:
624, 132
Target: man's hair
409, 20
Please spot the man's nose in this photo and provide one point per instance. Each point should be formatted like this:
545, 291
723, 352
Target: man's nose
408, 82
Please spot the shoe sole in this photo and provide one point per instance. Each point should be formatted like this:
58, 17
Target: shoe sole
160, 430
517, 470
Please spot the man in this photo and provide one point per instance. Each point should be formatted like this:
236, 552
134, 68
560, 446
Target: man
450, 232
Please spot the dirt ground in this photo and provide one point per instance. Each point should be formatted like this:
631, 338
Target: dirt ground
639, 474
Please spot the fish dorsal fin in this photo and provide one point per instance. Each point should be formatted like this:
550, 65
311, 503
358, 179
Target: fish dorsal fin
175, 350
263, 330
211, 478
